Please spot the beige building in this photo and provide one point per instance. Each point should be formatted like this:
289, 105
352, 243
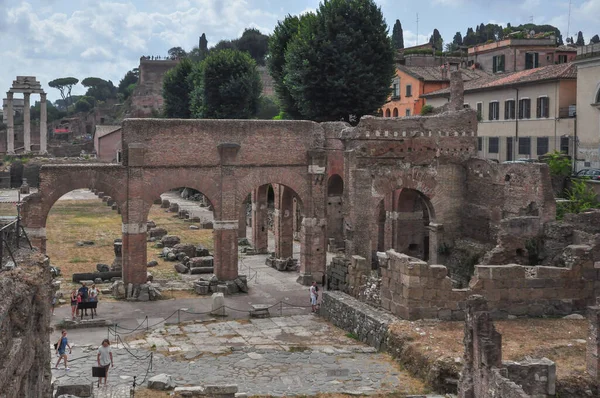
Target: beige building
524, 114
588, 106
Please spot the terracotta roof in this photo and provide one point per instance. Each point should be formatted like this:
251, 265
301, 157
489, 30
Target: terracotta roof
546, 73
434, 73
101, 131
566, 48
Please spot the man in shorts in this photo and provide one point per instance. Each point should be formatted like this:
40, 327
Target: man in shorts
61, 347
105, 359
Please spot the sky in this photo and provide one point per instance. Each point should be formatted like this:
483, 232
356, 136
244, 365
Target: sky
105, 38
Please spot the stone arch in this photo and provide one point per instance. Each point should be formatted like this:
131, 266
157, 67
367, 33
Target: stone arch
335, 185
395, 112
387, 112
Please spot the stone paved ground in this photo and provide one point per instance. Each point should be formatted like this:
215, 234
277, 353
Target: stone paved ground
295, 355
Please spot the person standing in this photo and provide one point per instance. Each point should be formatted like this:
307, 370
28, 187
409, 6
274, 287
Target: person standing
74, 300
83, 290
313, 296
105, 359
93, 297
61, 348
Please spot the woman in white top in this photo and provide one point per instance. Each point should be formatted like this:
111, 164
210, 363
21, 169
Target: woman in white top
105, 359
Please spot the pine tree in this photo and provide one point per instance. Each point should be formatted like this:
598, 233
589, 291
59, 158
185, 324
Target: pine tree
580, 41
398, 35
595, 39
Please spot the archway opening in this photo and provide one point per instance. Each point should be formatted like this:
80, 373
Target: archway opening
387, 113
395, 112
335, 215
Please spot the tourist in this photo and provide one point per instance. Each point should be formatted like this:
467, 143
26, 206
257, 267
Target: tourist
53, 303
74, 299
105, 359
61, 347
84, 294
314, 296
93, 297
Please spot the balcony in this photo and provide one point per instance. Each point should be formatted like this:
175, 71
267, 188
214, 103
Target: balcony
568, 112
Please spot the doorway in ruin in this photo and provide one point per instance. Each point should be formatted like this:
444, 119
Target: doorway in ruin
273, 222
402, 223
335, 215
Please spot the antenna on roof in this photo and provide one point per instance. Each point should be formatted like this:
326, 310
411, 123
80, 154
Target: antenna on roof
569, 18
417, 41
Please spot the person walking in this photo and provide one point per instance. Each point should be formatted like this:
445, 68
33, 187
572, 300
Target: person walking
61, 348
84, 294
105, 359
314, 295
93, 297
74, 297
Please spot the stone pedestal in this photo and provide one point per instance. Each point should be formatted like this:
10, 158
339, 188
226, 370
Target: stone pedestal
218, 305
226, 253
117, 264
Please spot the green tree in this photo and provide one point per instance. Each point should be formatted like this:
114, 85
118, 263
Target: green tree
254, 43
99, 89
268, 108
340, 63
52, 112
580, 41
82, 105
398, 35
128, 82
226, 85
177, 52
595, 39
64, 85
436, 40
176, 90
278, 43
458, 39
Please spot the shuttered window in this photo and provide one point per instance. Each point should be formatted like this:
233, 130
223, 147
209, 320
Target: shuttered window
493, 144
525, 146
543, 107
542, 146
498, 63
509, 110
525, 108
494, 113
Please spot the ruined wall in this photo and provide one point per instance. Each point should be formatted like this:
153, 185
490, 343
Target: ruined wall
412, 289
25, 296
147, 96
484, 375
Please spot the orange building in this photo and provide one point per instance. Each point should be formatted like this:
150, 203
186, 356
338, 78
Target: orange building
411, 82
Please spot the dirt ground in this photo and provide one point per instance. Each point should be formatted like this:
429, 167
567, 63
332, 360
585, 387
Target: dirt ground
560, 340
71, 221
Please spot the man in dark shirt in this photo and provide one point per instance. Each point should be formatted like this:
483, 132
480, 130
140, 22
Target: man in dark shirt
84, 294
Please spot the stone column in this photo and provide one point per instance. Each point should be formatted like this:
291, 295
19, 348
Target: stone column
226, 253
10, 121
361, 213
242, 221
26, 122
134, 254
260, 220
313, 253
436, 238
43, 124
283, 222
592, 356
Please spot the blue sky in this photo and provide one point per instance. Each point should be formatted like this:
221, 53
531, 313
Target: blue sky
105, 38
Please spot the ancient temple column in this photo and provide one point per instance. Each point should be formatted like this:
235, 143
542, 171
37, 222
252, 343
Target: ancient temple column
436, 239
283, 222
242, 221
134, 255
43, 124
226, 253
260, 219
10, 121
26, 122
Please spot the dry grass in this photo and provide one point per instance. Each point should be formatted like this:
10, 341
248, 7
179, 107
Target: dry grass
554, 339
8, 209
71, 221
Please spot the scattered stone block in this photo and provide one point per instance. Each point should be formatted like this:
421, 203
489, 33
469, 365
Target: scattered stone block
201, 251
204, 262
174, 208
201, 270
98, 281
194, 227
150, 224
207, 225
242, 284
170, 240
149, 277
260, 311
243, 242
152, 263
103, 267
186, 248
157, 233
180, 268
78, 390
161, 382
165, 204
232, 288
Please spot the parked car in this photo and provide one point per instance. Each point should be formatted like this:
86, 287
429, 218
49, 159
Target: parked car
590, 174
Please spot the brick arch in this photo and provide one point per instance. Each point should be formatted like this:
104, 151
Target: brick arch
288, 178
56, 182
159, 182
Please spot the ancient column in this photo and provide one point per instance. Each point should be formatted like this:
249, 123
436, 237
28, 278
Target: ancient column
43, 125
10, 121
436, 239
133, 252
26, 122
283, 222
225, 253
260, 219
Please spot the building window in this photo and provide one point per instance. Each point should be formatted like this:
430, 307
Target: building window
532, 60
395, 112
542, 146
119, 156
543, 107
498, 63
493, 144
494, 113
466, 106
407, 113
396, 89
525, 146
480, 143
525, 108
480, 110
564, 145
509, 110
388, 113
562, 59
409, 90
